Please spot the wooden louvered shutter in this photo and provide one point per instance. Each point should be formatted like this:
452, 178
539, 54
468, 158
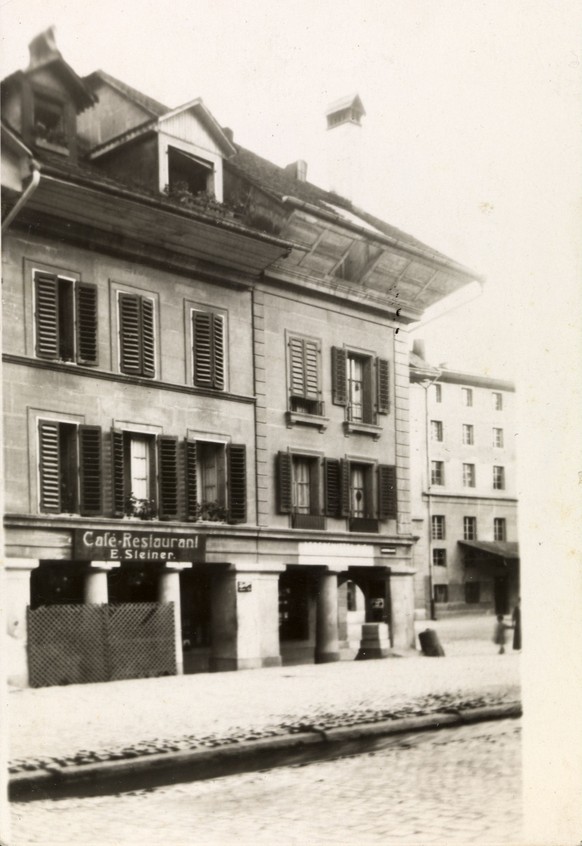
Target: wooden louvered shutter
237, 483
117, 473
191, 481
311, 353
284, 483
387, 496
90, 466
86, 306
49, 466
148, 350
345, 488
297, 368
46, 316
202, 329
130, 334
168, 476
331, 467
383, 385
218, 352
339, 375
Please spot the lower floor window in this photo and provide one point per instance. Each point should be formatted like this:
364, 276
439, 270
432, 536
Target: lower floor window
441, 593
439, 557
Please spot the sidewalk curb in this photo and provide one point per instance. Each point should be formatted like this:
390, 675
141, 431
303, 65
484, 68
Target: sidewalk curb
315, 744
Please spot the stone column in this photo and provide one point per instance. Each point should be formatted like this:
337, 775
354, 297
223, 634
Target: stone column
327, 627
169, 591
402, 606
16, 600
95, 590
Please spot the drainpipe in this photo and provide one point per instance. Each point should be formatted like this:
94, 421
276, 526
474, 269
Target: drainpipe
426, 385
29, 191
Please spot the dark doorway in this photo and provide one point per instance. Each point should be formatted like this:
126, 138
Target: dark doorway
195, 598
57, 583
501, 595
133, 582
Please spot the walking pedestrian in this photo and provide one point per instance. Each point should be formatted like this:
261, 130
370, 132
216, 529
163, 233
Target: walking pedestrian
499, 635
516, 619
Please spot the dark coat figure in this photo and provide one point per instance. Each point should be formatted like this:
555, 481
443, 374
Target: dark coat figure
516, 619
499, 634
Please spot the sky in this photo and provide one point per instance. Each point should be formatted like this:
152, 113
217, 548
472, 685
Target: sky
462, 99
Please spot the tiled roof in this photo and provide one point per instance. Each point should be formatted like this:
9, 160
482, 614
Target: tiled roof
155, 108
275, 180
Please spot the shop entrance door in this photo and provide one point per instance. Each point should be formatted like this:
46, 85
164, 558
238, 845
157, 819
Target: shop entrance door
501, 595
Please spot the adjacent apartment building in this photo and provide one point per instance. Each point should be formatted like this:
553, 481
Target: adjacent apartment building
206, 391
464, 490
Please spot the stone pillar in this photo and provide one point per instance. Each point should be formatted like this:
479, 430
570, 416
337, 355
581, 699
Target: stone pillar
95, 590
327, 627
402, 606
169, 591
245, 620
17, 599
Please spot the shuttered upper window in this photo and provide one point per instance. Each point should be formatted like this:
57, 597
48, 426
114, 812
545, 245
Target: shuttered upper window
304, 375
137, 355
361, 383
216, 481
65, 316
70, 468
208, 349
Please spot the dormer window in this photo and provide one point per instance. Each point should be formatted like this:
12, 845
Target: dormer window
49, 124
190, 173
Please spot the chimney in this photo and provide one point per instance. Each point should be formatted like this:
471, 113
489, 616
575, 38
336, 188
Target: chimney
344, 142
43, 48
298, 170
229, 133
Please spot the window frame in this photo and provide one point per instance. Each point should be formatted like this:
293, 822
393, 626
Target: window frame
309, 350
498, 437
216, 380
438, 392
84, 456
467, 396
499, 529
436, 431
469, 528
145, 349
439, 556
438, 527
468, 434
57, 324
497, 400
469, 475
498, 477
437, 473
376, 388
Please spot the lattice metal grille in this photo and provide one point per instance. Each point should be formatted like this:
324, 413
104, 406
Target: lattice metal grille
79, 644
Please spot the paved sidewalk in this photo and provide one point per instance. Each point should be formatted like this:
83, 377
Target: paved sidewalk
165, 714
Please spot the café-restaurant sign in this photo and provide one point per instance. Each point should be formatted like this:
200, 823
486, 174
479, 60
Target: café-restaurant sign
131, 545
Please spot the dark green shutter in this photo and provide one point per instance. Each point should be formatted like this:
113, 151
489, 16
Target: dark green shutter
148, 350
387, 495
339, 376
332, 478
86, 305
218, 353
209, 355
117, 473
90, 466
46, 315
49, 466
130, 334
284, 482
383, 385
345, 488
237, 483
191, 481
168, 477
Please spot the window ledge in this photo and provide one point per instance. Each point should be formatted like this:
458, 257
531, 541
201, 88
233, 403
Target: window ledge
300, 418
371, 429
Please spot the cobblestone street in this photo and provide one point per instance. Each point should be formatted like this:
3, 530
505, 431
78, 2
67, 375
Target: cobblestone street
451, 786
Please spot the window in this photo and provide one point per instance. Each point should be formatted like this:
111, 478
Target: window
189, 173
498, 478
436, 430
441, 593
50, 121
438, 393
438, 527
216, 481
361, 384
70, 468
439, 557
468, 475
469, 528
437, 473
468, 434
136, 335
472, 593
499, 533
498, 438
304, 375
65, 312
497, 401
208, 333
298, 478
467, 395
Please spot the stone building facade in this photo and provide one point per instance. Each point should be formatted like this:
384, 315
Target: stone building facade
464, 490
206, 392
